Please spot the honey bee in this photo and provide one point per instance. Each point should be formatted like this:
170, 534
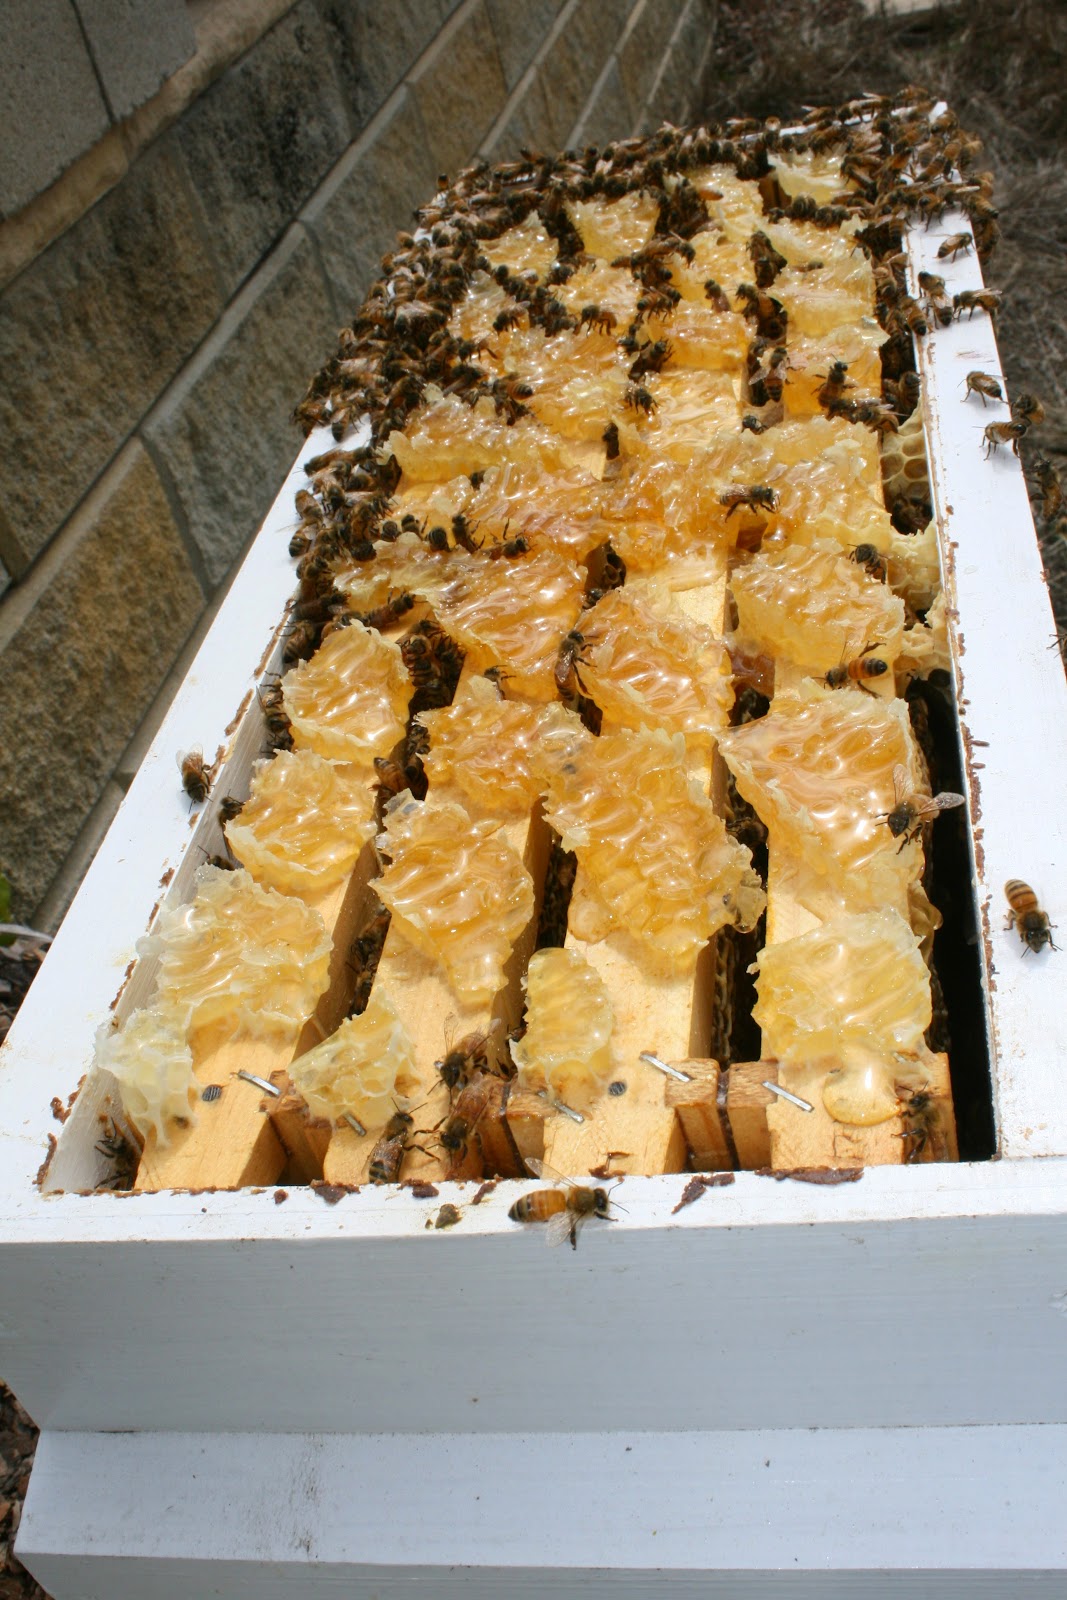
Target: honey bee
862, 666
984, 384
972, 300
300, 644
997, 433
767, 263
598, 317
1028, 408
834, 385
510, 318
716, 295
640, 399
911, 810
509, 393
516, 546
937, 300
652, 358
463, 533
920, 1116
870, 558
769, 314
568, 679
196, 775
230, 808
610, 437
1026, 915
1048, 480
565, 1210
479, 1095
277, 722
951, 247
463, 1058
387, 1157
758, 496
388, 613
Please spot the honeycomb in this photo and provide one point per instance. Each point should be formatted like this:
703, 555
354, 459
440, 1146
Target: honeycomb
240, 955
838, 294
559, 511
491, 748
814, 607
304, 823
366, 1069
514, 616
818, 768
808, 172
904, 467
349, 702
616, 229
612, 289
566, 1049
153, 1065
827, 473
578, 383
646, 664
528, 247
456, 891
445, 437
810, 359
854, 988
656, 861
690, 407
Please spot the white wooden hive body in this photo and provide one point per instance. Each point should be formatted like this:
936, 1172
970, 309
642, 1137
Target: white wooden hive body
929, 1297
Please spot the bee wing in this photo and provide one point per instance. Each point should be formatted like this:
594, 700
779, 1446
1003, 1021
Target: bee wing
928, 807
182, 756
541, 1169
560, 1226
901, 784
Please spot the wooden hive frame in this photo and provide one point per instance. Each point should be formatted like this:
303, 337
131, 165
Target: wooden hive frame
163, 1312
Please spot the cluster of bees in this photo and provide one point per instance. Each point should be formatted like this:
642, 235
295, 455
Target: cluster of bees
903, 163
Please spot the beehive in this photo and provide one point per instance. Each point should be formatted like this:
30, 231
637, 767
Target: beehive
245, 1184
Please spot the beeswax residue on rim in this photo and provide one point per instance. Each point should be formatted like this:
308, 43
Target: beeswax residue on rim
349, 702
304, 823
814, 607
649, 665
367, 1068
240, 955
153, 1065
457, 892
818, 768
656, 860
566, 1049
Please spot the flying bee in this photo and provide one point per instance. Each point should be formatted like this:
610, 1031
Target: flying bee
1026, 915
911, 809
1048, 480
835, 383
983, 384
950, 248
997, 433
196, 776
599, 318
920, 1117
870, 558
972, 300
862, 666
758, 496
1028, 408
565, 1211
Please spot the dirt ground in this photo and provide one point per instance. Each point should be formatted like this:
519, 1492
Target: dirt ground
1001, 65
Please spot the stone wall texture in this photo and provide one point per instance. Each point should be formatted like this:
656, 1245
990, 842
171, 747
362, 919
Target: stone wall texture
152, 354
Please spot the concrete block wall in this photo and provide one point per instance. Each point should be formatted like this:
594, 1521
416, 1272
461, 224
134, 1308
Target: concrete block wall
152, 353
